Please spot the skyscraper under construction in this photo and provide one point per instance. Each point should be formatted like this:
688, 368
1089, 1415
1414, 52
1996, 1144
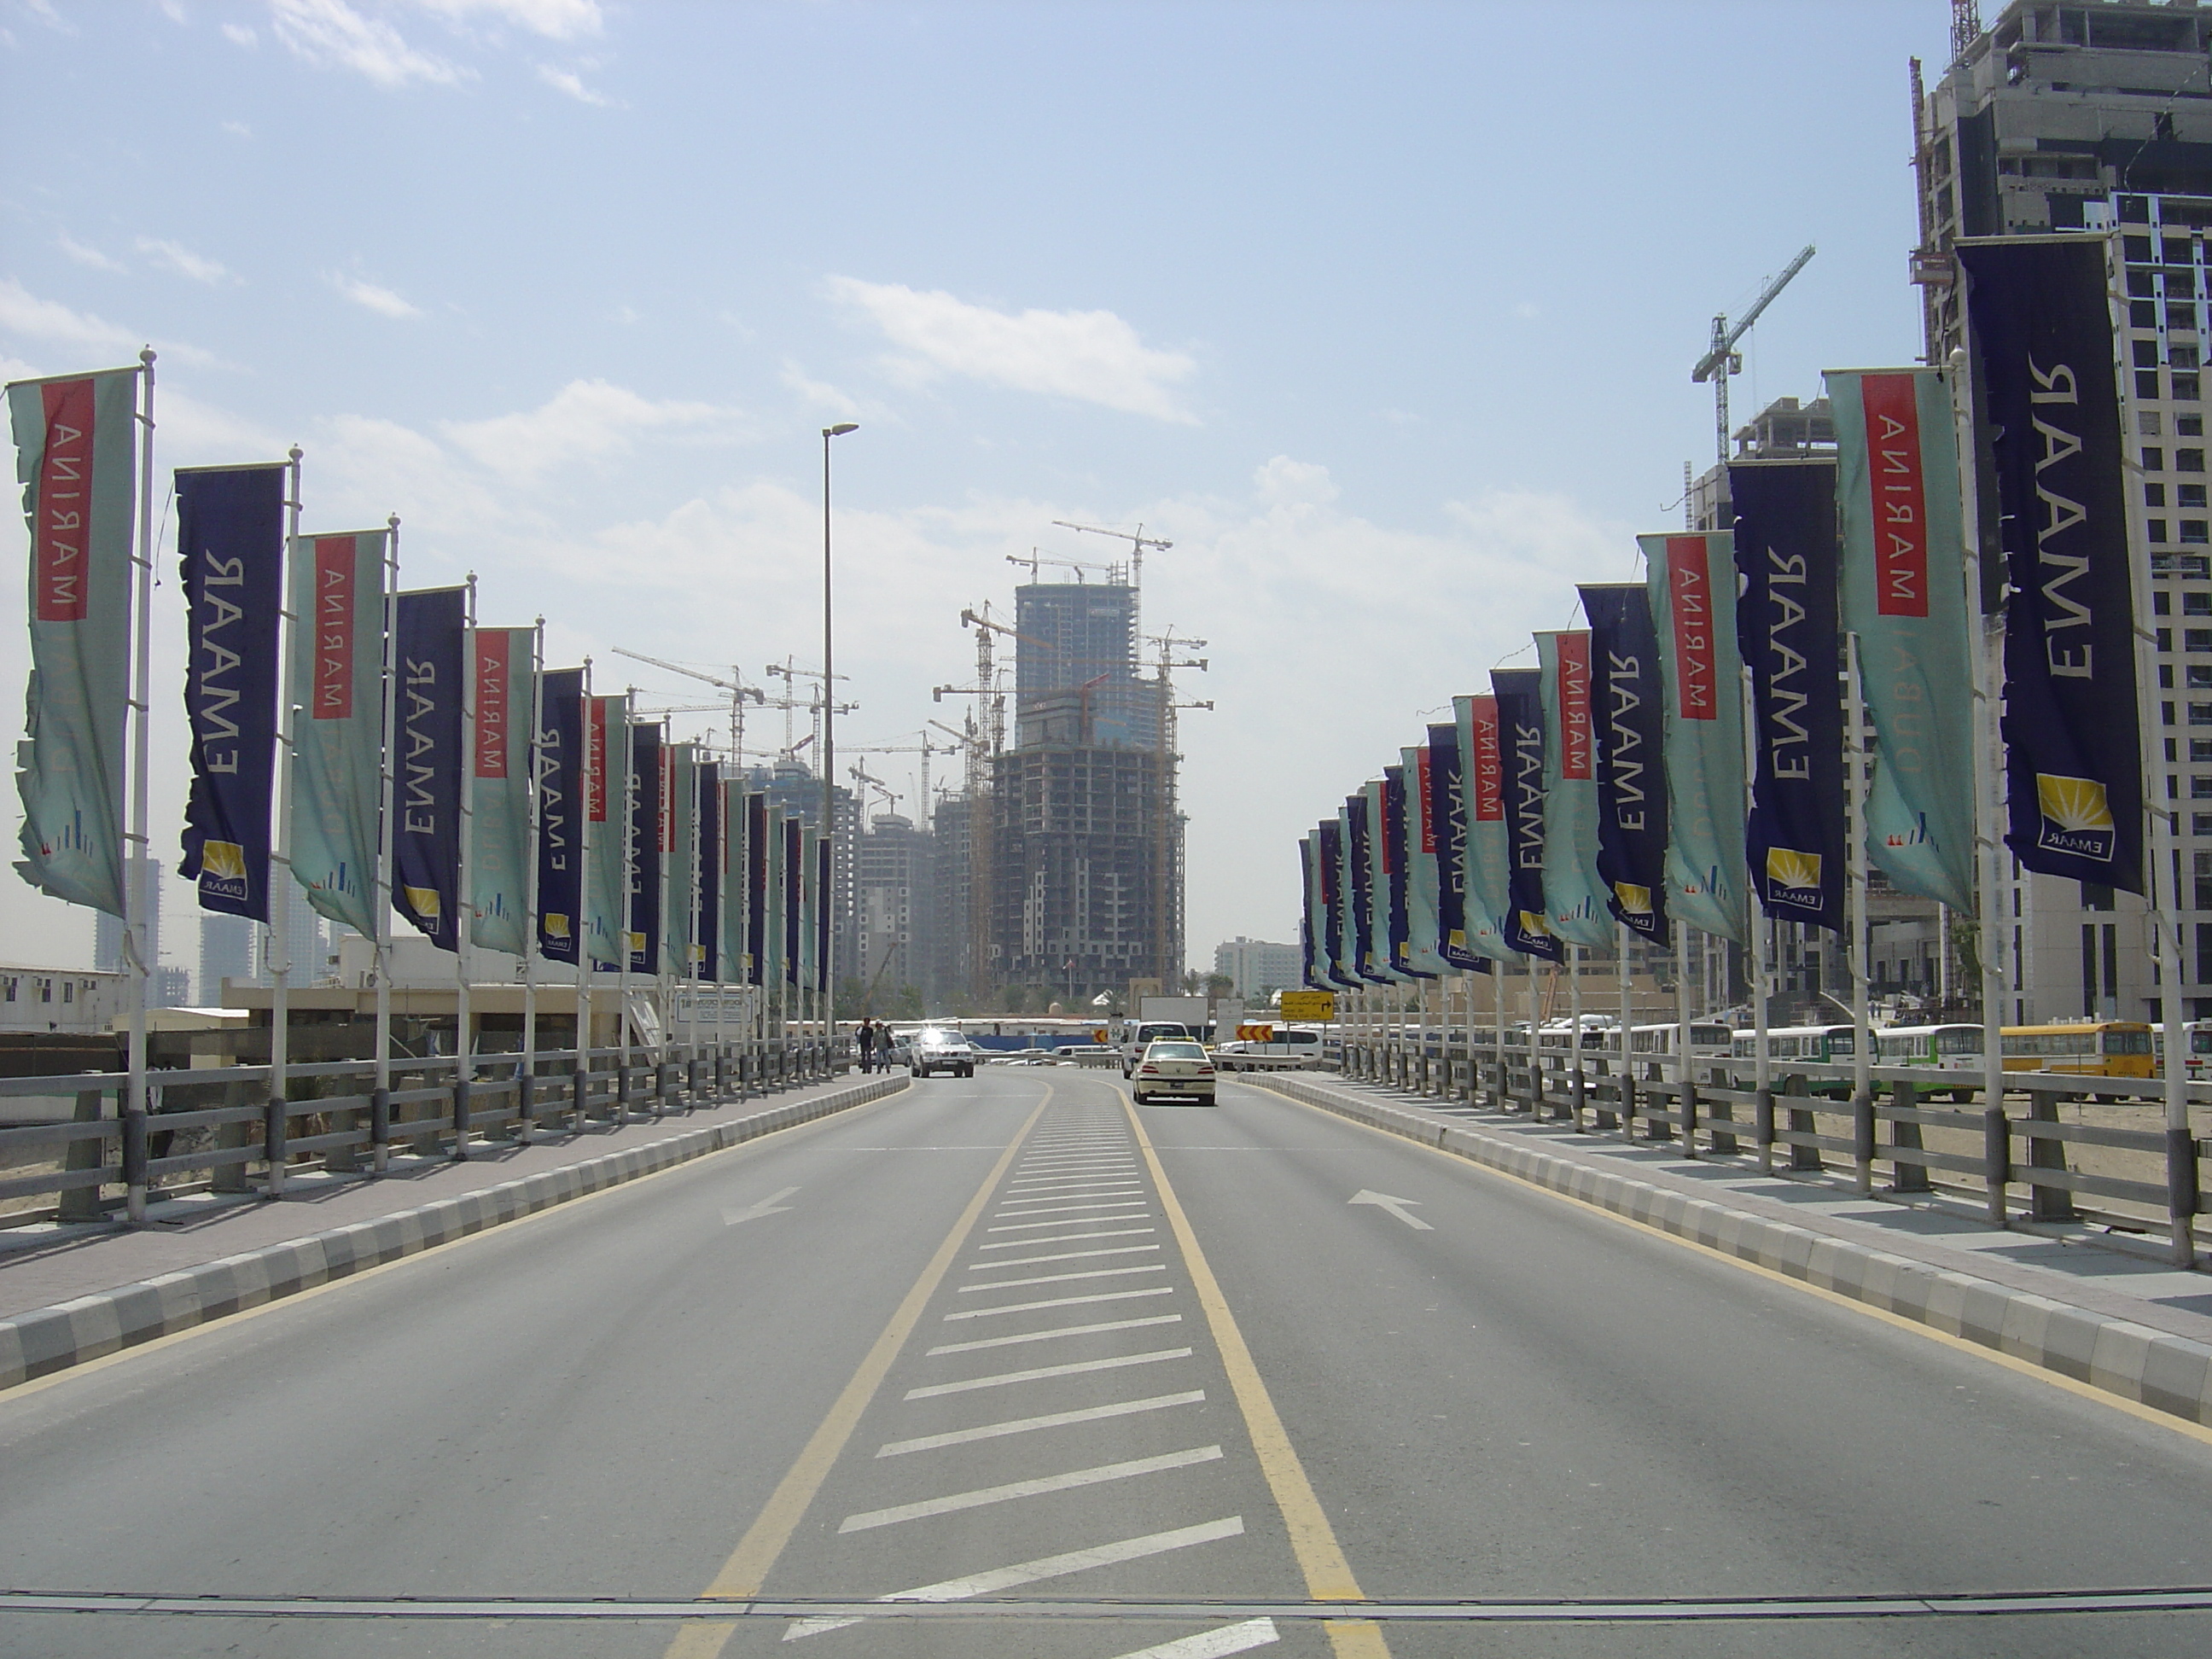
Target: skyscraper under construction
1086, 867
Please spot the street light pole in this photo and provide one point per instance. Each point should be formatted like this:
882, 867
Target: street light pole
828, 759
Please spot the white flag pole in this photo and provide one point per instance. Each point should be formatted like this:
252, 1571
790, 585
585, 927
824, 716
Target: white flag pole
381, 900
590, 785
465, 911
1762, 1060
138, 875
532, 799
280, 879
1854, 756
628, 903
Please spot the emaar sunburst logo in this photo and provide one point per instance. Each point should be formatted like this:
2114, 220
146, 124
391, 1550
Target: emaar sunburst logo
1792, 877
2077, 818
223, 869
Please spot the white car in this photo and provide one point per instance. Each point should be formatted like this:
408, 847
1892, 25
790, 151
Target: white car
936, 1050
1174, 1068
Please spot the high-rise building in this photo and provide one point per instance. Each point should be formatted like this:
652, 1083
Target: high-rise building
226, 952
2093, 120
1256, 969
893, 920
1086, 883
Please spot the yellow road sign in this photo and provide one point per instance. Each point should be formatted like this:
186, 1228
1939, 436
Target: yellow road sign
1308, 1005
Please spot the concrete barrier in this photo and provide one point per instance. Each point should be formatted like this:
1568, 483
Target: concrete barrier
49, 1340
2155, 1369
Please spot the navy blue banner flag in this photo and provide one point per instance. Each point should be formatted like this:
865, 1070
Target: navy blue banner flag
1360, 849
559, 815
1521, 741
230, 537
427, 756
1629, 715
2043, 336
647, 816
709, 933
1330, 843
1787, 631
794, 872
1393, 843
756, 862
1447, 801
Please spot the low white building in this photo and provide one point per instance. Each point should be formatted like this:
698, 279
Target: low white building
80, 1000
1255, 968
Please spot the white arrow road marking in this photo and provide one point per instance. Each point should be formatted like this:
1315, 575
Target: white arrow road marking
1395, 1205
772, 1205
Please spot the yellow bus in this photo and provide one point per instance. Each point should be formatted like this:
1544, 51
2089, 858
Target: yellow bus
2106, 1048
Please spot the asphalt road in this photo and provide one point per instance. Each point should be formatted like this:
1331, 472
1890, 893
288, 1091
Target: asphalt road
961, 1347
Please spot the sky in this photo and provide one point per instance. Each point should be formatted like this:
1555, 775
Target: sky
1382, 313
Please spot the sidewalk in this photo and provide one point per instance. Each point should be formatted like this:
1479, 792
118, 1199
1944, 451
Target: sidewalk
2091, 1305
71, 1292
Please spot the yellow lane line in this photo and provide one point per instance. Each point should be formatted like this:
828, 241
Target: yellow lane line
2134, 1408
773, 1140
747, 1569
1313, 1540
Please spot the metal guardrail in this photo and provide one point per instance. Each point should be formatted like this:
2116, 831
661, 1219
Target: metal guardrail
217, 1128
2137, 1178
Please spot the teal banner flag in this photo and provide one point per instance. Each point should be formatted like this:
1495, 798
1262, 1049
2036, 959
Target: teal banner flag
1693, 586
681, 949
499, 824
737, 890
338, 604
1905, 596
1574, 893
76, 456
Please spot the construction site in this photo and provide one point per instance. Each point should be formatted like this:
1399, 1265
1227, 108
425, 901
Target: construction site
1040, 868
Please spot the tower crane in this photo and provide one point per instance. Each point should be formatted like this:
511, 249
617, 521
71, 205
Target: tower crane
735, 685
925, 749
791, 674
860, 774
1078, 566
1723, 359
1138, 543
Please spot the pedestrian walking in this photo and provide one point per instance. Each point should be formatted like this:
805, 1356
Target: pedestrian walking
867, 1039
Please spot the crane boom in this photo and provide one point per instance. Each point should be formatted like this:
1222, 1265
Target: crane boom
1721, 361
1725, 338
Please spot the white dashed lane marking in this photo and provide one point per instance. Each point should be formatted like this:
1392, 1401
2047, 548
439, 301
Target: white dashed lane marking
1050, 1420
1048, 1336
1075, 1368
1050, 1483
1059, 1302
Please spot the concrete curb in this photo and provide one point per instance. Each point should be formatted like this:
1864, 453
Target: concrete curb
2164, 1372
49, 1340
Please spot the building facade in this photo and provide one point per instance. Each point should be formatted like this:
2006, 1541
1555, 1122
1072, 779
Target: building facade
1256, 969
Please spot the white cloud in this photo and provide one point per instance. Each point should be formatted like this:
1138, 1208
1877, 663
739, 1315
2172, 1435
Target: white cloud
87, 256
1093, 356
381, 300
834, 400
556, 20
239, 35
238, 129
182, 260
585, 420
22, 313
332, 34
566, 80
